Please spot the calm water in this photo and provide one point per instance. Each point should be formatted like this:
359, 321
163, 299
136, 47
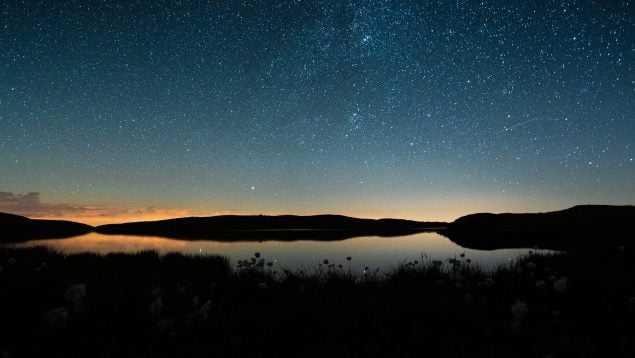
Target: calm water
372, 251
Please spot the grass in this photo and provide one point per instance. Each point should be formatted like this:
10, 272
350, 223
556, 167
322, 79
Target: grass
147, 305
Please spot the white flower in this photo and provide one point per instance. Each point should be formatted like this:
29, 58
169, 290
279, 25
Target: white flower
206, 309
56, 318
488, 283
561, 285
519, 310
156, 292
156, 306
180, 288
76, 295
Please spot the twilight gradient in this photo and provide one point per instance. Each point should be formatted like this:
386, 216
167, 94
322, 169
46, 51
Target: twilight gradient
414, 109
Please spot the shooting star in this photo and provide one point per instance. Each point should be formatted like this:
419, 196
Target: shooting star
516, 126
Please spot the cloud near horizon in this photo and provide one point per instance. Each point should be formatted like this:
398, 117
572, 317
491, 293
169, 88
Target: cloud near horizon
31, 205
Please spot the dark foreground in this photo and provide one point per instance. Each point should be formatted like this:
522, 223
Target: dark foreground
145, 305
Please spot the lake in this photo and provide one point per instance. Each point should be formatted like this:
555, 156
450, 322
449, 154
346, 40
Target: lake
375, 252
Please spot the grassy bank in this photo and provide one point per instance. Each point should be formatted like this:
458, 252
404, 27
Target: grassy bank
150, 305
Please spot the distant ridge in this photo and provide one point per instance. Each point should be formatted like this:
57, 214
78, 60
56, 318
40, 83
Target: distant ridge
596, 224
262, 227
14, 228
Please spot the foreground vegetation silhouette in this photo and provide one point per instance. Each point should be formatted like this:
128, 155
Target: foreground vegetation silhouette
147, 305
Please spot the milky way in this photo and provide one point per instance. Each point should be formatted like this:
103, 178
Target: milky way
371, 108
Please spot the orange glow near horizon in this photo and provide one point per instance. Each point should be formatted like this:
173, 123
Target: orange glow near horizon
436, 209
118, 219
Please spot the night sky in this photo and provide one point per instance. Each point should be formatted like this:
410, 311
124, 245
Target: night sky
119, 110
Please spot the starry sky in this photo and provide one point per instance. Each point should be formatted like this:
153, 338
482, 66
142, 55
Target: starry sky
119, 110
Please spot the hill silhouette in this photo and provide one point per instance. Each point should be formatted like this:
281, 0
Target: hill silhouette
582, 224
14, 228
261, 227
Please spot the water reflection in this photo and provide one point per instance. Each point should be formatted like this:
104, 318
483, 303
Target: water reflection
372, 251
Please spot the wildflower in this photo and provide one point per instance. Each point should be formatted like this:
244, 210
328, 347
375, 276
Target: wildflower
468, 298
437, 262
326, 261
180, 288
76, 296
262, 286
348, 258
156, 306
12, 261
561, 285
531, 266
459, 285
519, 310
632, 299
488, 283
541, 284
206, 308
195, 301
269, 264
156, 292
56, 318
44, 265
161, 327
462, 254
1, 269
555, 317
257, 255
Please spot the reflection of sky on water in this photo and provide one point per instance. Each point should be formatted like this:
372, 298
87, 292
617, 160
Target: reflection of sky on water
371, 251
